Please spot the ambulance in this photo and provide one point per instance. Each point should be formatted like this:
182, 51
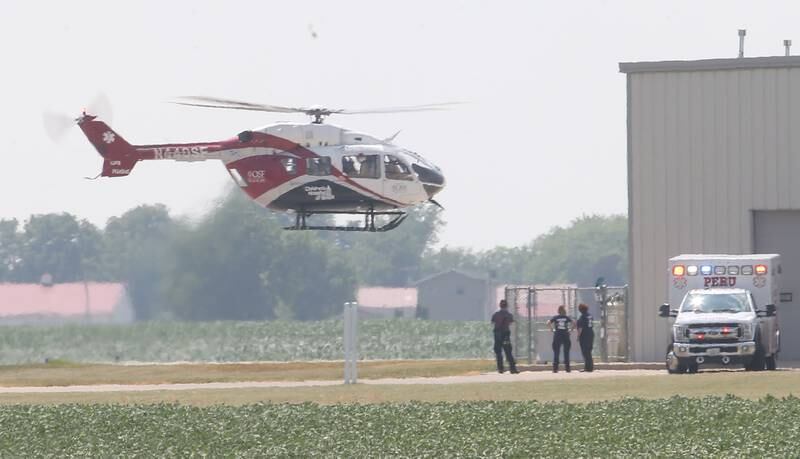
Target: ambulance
724, 311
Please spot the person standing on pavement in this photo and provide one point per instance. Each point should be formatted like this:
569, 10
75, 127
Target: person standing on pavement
502, 320
561, 325
586, 337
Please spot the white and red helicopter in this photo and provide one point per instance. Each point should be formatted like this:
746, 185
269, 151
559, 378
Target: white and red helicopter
311, 168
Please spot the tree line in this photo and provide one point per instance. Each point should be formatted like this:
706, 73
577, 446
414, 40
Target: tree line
237, 263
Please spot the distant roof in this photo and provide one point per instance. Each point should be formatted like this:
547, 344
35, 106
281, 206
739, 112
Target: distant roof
386, 297
711, 64
471, 275
59, 299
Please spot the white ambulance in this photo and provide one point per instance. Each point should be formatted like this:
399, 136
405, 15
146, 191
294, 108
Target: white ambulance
724, 310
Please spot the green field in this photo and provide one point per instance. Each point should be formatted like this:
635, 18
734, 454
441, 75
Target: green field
675, 427
243, 341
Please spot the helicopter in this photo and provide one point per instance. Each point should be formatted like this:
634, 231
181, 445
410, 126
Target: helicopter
302, 168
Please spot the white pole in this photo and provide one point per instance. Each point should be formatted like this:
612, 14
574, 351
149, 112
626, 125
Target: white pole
346, 316
354, 340
350, 342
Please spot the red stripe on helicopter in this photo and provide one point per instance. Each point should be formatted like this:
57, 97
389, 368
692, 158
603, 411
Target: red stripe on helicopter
263, 140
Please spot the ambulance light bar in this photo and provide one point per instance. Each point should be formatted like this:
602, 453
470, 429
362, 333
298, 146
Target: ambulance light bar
707, 270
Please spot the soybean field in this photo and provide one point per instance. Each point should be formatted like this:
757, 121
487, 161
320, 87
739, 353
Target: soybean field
243, 341
675, 427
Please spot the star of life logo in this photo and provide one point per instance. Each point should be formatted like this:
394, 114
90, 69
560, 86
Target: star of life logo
109, 137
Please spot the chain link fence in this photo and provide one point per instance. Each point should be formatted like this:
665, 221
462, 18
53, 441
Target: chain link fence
533, 306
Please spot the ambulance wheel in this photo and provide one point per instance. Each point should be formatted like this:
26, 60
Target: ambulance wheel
674, 364
757, 363
772, 362
693, 368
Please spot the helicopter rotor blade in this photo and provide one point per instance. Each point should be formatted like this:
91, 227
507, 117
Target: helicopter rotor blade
213, 102
403, 109
316, 111
56, 125
101, 107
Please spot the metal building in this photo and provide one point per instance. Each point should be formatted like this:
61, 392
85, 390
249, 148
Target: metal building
456, 295
713, 167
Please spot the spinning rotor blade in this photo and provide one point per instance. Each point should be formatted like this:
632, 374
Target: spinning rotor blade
213, 102
315, 111
56, 125
101, 108
410, 108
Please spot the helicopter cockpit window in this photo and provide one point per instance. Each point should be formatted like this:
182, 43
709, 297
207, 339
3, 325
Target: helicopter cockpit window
396, 169
361, 166
245, 136
318, 166
289, 165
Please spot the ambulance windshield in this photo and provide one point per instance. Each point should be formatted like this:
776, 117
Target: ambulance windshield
716, 302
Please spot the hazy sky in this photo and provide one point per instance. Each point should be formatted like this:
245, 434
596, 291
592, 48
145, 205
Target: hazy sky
541, 141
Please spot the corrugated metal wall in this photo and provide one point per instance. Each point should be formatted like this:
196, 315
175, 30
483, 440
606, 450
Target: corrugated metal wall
706, 148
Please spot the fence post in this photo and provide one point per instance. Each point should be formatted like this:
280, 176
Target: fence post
603, 322
350, 342
531, 293
627, 319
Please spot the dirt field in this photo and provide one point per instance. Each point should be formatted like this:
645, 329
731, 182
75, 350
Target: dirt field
470, 385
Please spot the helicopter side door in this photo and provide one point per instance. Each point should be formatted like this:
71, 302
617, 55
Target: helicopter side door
364, 169
399, 184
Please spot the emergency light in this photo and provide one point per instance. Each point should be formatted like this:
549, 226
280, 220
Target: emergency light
705, 270
761, 269
747, 270
719, 270
733, 270
691, 270
678, 270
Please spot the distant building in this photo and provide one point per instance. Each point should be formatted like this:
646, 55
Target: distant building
386, 302
456, 295
92, 302
548, 299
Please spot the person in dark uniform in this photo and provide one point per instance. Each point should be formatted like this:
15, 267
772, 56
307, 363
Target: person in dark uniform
586, 336
560, 325
502, 320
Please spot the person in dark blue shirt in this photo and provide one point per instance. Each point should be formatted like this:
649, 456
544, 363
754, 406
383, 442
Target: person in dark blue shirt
586, 336
561, 325
502, 320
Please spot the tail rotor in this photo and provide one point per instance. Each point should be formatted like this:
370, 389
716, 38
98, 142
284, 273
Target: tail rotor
57, 125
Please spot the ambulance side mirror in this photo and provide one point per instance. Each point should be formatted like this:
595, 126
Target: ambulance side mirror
768, 311
665, 311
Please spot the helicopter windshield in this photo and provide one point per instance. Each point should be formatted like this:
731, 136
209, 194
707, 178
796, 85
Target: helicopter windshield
427, 172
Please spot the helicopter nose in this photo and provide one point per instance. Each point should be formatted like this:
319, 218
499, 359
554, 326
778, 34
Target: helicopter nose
432, 190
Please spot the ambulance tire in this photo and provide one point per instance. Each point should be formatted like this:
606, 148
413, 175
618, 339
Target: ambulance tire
693, 368
757, 363
675, 366
772, 362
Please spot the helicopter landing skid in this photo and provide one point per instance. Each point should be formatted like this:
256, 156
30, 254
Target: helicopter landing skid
369, 221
